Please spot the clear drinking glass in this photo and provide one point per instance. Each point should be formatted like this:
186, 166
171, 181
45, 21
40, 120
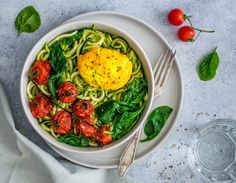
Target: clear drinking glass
211, 154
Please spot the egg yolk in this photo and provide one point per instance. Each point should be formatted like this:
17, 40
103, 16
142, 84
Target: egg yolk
105, 68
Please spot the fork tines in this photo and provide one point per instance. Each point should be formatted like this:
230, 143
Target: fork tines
163, 67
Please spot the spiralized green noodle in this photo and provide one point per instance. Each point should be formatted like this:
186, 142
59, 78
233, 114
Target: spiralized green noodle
60, 37
90, 39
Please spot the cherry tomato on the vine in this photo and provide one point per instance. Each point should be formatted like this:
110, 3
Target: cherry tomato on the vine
186, 33
176, 17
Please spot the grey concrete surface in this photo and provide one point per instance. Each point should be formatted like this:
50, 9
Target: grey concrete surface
203, 101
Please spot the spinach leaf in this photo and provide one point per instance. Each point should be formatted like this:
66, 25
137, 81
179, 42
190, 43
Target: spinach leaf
124, 123
106, 112
139, 97
124, 113
75, 140
156, 121
65, 43
208, 66
53, 82
57, 58
58, 63
28, 20
125, 107
132, 96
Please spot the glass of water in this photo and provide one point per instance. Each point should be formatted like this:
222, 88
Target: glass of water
211, 154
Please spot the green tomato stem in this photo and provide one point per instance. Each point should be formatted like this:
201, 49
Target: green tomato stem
192, 40
197, 29
188, 19
203, 30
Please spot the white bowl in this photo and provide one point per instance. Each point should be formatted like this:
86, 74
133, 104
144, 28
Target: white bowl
67, 28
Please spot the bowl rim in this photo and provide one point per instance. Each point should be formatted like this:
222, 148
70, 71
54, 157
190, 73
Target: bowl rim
75, 25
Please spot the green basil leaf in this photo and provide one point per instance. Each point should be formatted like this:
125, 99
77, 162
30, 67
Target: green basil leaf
156, 121
208, 66
28, 20
57, 58
53, 82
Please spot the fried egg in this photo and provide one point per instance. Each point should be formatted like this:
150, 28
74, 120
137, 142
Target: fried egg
105, 68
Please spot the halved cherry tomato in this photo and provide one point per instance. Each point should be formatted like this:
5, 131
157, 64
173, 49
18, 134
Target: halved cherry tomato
186, 33
86, 129
83, 108
67, 92
104, 138
41, 72
40, 106
97, 133
61, 122
176, 17
88, 119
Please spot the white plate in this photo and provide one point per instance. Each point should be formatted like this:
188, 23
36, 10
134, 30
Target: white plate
153, 44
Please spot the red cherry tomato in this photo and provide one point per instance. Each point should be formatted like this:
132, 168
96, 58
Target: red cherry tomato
41, 72
176, 17
97, 133
104, 138
67, 92
40, 106
186, 33
83, 108
86, 129
88, 119
61, 122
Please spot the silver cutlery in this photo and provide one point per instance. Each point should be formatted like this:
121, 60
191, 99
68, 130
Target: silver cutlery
161, 73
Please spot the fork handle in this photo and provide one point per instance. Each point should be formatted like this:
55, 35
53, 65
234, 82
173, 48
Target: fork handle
128, 155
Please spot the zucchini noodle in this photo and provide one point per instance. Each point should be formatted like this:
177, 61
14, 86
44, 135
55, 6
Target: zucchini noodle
31, 90
60, 37
44, 89
71, 52
90, 39
42, 55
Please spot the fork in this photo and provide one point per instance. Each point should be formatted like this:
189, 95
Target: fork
161, 72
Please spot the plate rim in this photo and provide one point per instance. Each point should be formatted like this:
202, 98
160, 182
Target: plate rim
175, 118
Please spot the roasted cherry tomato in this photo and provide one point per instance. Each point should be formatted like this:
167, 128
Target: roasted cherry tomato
40, 106
40, 72
176, 17
88, 119
104, 138
83, 108
61, 122
86, 129
97, 133
186, 33
67, 92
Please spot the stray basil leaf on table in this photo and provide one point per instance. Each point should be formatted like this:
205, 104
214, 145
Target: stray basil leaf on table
28, 20
156, 121
208, 66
